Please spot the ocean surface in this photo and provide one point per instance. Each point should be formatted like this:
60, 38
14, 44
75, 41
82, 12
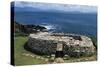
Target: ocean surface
68, 22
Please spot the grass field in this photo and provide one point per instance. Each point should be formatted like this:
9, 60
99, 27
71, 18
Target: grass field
21, 59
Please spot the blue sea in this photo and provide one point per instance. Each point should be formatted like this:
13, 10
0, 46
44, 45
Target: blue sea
67, 22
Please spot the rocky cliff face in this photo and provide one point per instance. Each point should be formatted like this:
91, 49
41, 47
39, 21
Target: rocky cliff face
46, 43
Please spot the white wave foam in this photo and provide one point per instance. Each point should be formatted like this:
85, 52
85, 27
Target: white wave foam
49, 26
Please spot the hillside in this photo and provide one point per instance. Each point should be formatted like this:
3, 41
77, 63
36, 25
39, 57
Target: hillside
21, 28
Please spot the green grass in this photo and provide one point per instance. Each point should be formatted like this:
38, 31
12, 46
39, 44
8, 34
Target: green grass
81, 59
94, 39
21, 59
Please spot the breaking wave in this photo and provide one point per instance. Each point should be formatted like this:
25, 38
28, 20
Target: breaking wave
49, 27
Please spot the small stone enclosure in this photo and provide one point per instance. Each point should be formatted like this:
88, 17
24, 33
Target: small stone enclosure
67, 44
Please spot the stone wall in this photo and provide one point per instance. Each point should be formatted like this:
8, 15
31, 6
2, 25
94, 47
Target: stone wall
77, 51
48, 47
42, 46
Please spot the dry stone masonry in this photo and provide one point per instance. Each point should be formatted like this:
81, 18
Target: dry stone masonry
70, 44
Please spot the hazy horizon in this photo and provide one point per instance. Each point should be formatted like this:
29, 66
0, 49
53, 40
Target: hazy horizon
37, 6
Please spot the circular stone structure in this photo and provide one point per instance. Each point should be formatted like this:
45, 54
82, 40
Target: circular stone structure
70, 44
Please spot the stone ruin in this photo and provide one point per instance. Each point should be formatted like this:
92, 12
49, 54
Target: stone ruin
60, 44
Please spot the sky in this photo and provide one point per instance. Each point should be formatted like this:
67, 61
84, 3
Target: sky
37, 6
